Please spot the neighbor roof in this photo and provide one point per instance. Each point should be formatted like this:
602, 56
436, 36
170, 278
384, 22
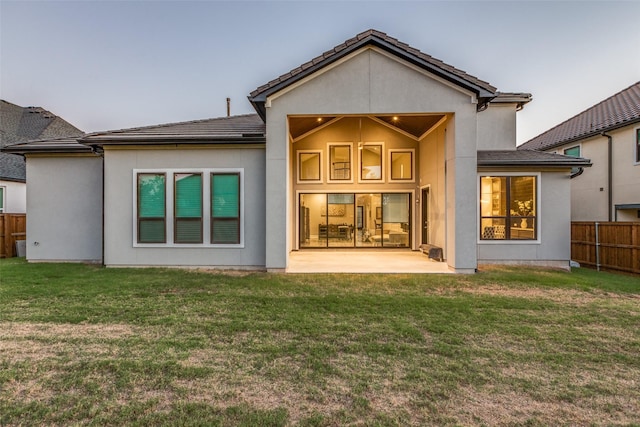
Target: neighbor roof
248, 128
379, 39
21, 124
619, 110
528, 158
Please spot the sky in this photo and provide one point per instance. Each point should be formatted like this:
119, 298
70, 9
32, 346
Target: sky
104, 65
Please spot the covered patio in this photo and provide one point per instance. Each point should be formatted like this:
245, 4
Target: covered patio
363, 261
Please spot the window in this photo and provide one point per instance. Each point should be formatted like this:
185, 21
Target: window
370, 162
225, 208
309, 166
573, 152
508, 206
188, 208
638, 145
151, 208
1, 199
401, 165
340, 162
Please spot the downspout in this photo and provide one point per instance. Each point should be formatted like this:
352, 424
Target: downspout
609, 171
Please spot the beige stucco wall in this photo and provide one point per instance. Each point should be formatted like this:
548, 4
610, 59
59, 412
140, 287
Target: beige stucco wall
553, 247
497, 127
119, 196
15, 196
64, 208
370, 82
432, 175
589, 191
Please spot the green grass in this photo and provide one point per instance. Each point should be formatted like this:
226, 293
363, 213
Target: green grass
84, 345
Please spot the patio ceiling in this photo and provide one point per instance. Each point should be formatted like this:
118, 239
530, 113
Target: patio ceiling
415, 126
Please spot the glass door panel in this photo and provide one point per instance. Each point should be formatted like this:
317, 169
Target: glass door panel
312, 232
395, 220
340, 220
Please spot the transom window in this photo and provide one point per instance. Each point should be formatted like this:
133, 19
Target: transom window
401, 162
340, 162
175, 207
309, 169
370, 162
508, 207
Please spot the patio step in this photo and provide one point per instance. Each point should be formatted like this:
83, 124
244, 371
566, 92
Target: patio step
433, 252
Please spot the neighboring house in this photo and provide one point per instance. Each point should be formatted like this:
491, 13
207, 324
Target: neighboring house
609, 135
19, 125
372, 145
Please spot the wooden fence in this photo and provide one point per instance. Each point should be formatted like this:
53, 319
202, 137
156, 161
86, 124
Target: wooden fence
607, 245
12, 227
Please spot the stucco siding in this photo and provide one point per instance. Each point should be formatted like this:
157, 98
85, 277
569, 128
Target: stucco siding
497, 127
432, 175
15, 196
64, 209
120, 249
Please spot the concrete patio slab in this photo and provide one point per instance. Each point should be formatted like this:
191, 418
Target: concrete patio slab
358, 261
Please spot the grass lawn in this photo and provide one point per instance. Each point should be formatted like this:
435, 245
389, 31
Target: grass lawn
84, 345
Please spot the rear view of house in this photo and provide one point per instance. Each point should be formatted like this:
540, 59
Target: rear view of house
373, 145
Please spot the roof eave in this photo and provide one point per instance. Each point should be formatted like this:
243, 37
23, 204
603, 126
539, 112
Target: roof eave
98, 140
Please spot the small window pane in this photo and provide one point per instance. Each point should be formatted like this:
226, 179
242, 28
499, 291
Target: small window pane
340, 159
188, 230
225, 197
638, 145
151, 195
371, 162
151, 208
188, 195
225, 231
573, 151
309, 166
401, 165
151, 231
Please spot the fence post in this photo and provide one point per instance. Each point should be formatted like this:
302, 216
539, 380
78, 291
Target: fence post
597, 249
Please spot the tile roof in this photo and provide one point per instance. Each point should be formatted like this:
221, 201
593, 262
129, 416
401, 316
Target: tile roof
248, 128
528, 158
621, 109
383, 41
21, 124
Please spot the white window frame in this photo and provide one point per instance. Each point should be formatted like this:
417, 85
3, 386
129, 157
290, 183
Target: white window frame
321, 165
351, 159
382, 163
3, 198
413, 165
169, 210
539, 208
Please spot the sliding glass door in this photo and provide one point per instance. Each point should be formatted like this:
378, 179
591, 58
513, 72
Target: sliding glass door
361, 220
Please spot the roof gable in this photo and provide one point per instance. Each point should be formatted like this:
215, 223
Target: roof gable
619, 110
381, 40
